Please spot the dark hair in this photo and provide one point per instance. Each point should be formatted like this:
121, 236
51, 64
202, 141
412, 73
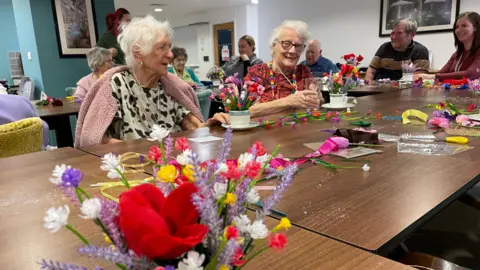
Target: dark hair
114, 18
177, 52
250, 41
474, 19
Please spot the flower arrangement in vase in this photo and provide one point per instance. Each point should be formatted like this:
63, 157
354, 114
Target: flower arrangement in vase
191, 215
216, 75
346, 79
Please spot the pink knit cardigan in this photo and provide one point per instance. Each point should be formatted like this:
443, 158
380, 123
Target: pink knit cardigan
99, 106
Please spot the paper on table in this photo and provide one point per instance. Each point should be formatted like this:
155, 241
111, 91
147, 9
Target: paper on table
314, 146
205, 139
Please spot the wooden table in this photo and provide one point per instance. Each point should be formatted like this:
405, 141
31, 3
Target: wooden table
58, 119
26, 194
375, 211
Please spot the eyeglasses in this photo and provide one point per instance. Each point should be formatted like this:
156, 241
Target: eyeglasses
286, 45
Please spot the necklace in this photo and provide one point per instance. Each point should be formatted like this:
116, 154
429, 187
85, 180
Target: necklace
460, 62
272, 81
141, 85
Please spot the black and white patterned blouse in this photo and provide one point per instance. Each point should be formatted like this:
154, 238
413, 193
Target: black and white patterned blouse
140, 108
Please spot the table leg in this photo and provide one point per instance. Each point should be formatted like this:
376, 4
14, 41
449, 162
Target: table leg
63, 131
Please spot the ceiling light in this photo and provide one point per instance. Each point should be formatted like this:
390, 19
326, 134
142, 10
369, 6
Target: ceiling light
158, 10
254, 1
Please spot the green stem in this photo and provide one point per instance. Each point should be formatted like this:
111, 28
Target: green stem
79, 196
253, 256
83, 192
70, 228
123, 178
163, 154
214, 261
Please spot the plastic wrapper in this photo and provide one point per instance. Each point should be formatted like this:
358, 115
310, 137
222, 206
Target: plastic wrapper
430, 149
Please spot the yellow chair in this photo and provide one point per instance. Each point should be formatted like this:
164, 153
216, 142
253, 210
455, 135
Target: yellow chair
21, 137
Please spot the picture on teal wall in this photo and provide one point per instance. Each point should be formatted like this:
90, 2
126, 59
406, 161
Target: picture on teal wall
75, 26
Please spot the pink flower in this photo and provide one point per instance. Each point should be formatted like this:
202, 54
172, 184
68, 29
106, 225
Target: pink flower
439, 121
233, 172
279, 162
463, 120
278, 241
340, 141
181, 144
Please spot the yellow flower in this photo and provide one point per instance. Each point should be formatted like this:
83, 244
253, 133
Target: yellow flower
279, 168
189, 172
107, 239
167, 173
283, 225
230, 199
223, 267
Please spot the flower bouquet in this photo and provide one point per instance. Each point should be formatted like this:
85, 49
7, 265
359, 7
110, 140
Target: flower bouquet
216, 75
193, 215
347, 78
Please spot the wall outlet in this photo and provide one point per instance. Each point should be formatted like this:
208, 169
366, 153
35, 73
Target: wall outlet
29, 56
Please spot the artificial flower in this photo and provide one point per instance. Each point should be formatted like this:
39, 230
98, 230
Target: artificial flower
181, 144
155, 154
56, 218
91, 208
242, 222
167, 173
463, 120
72, 177
258, 230
230, 199
184, 158
57, 174
439, 121
223, 267
158, 133
277, 241
189, 172
359, 58
115, 173
253, 196
220, 189
231, 232
283, 225
471, 107
258, 148
252, 169
223, 168
244, 159
181, 179
232, 173
237, 258
354, 101
160, 227
110, 162
263, 159
366, 168
193, 261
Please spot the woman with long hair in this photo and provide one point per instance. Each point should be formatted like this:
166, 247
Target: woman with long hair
115, 21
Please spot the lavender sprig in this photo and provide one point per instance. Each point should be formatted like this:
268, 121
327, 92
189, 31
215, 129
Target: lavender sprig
108, 215
285, 181
51, 265
168, 148
226, 257
130, 260
206, 206
240, 205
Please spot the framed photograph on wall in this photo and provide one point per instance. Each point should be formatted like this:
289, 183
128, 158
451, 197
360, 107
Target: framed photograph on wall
75, 26
431, 15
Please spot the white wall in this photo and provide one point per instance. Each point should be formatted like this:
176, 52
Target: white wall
346, 26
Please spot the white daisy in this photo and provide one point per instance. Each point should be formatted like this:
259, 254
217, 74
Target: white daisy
56, 218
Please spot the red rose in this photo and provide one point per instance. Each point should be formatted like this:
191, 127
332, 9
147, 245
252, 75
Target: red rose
159, 227
259, 149
346, 69
359, 58
181, 144
155, 154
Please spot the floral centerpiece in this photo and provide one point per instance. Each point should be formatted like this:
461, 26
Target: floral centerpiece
216, 75
347, 78
193, 215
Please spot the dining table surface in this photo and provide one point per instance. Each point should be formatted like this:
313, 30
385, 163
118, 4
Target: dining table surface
375, 210
68, 108
26, 193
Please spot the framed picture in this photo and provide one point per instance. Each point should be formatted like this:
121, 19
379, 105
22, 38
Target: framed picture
431, 15
76, 27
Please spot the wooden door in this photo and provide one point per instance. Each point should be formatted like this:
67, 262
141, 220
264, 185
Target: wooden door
223, 40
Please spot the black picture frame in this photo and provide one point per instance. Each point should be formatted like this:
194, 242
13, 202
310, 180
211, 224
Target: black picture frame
63, 50
425, 12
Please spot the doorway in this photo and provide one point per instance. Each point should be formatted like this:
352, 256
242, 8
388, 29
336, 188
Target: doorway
223, 42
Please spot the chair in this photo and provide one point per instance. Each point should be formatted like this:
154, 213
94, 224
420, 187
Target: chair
21, 137
27, 88
205, 102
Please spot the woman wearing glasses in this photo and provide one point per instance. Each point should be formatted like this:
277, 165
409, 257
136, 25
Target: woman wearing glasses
180, 58
282, 78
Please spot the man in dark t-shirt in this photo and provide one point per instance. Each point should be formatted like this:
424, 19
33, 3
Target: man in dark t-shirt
387, 62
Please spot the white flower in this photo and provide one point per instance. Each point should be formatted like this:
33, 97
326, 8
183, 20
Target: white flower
56, 218
252, 196
258, 230
57, 173
348, 110
263, 159
229, 101
158, 133
244, 159
242, 222
355, 101
184, 158
193, 261
366, 168
219, 189
114, 173
243, 95
222, 168
110, 162
91, 208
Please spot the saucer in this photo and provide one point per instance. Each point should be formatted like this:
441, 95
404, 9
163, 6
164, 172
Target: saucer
338, 107
252, 125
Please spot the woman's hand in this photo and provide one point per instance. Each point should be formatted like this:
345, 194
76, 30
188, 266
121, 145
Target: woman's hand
244, 57
424, 76
218, 118
304, 99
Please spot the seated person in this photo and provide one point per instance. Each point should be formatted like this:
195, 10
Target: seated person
387, 62
178, 62
14, 108
248, 58
129, 100
316, 62
99, 60
465, 62
115, 21
282, 78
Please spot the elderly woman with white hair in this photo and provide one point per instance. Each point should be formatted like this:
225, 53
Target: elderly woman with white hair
99, 60
129, 100
283, 78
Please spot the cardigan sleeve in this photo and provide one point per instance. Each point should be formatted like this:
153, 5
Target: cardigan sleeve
472, 72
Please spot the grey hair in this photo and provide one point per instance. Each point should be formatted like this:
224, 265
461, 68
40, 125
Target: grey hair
411, 25
96, 57
300, 27
140, 35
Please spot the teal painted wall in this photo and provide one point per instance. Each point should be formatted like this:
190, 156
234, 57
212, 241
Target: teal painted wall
9, 38
59, 73
26, 40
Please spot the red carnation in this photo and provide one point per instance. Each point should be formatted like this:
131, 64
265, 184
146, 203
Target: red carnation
252, 168
181, 144
471, 107
278, 241
233, 171
237, 258
359, 58
155, 154
348, 56
222, 95
259, 149
159, 227
231, 232
346, 69
181, 179
253, 88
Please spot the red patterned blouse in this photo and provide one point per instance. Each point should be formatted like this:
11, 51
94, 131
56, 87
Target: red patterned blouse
261, 74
